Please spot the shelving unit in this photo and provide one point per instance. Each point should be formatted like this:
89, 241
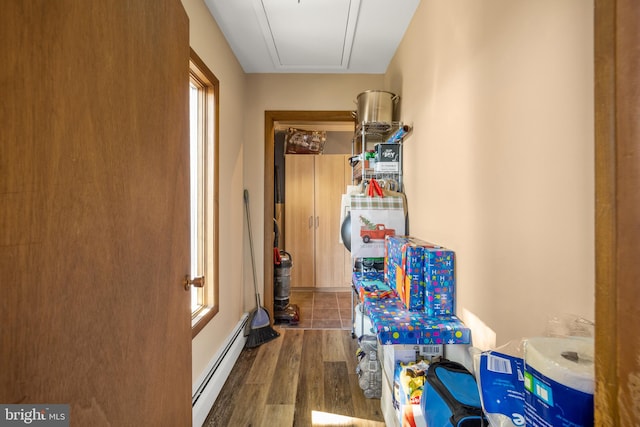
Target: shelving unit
387, 170
367, 136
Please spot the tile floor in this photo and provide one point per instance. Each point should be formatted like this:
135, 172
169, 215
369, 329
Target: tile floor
322, 310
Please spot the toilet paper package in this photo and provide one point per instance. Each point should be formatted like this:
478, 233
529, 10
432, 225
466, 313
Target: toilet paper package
559, 381
500, 377
502, 388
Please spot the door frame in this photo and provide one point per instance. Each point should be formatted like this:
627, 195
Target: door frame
617, 210
270, 119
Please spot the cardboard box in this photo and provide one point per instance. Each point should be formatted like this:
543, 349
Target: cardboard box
408, 387
388, 158
392, 354
389, 412
459, 353
299, 141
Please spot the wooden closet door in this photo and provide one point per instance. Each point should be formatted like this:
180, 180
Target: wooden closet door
299, 218
329, 187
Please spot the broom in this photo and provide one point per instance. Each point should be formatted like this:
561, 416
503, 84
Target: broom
260, 330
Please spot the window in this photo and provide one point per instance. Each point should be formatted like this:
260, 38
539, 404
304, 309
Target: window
203, 137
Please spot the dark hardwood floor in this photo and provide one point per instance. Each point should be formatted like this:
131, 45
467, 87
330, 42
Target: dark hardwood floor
303, 378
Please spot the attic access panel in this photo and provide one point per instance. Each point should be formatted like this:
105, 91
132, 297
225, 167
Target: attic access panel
308, 33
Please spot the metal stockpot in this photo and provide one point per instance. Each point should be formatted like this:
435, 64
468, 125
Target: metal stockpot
376, 106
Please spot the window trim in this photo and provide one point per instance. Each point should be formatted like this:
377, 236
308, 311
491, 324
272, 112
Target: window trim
210, 85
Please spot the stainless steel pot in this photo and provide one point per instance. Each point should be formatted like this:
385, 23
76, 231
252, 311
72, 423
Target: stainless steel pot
376, 106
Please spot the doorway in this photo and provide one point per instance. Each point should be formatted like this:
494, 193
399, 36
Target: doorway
272, 119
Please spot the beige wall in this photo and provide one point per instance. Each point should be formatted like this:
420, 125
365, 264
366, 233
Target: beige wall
500, 164
209, 43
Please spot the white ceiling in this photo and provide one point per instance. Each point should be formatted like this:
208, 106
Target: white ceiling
313, 36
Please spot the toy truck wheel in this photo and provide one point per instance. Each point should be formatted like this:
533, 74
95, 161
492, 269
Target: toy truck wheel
366, 239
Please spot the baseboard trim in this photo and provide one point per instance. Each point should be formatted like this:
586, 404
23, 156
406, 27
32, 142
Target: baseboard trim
207, 388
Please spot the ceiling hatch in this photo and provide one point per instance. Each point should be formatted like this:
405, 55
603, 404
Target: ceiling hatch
325, 28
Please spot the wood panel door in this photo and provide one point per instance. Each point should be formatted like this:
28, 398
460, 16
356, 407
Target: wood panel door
330, 253
299, 218
314, 186
94, 209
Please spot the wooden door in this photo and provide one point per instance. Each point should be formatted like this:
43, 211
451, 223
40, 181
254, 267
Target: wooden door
299, 218
329, 187
94, 221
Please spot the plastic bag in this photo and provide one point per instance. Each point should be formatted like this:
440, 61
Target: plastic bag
369, 370
500, 377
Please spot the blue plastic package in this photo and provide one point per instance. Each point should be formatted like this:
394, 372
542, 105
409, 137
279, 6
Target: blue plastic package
501, 384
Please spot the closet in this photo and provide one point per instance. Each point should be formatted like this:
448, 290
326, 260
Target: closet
314, 185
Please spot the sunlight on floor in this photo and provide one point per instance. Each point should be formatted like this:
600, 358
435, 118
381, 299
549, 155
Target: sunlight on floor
327, 419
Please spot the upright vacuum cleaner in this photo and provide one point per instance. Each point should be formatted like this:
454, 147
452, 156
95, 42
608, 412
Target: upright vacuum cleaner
283, 312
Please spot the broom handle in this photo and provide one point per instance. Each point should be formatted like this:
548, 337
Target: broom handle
253, 263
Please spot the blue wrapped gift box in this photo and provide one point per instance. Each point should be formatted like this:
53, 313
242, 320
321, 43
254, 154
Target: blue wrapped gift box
440, 281
394, 324
422, 274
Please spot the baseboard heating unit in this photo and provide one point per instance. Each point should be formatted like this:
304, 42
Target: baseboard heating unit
208, 387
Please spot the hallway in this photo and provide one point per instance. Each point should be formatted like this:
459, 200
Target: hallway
302, 378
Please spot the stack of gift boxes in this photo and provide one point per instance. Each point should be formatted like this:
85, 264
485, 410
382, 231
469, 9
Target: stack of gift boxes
423, 274
421, 317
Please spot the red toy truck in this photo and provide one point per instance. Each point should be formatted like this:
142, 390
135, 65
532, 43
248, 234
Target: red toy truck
378, 233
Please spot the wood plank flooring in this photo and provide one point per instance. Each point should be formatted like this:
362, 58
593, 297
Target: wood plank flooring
303, 378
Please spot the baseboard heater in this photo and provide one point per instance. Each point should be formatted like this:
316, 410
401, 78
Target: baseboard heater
215, 376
